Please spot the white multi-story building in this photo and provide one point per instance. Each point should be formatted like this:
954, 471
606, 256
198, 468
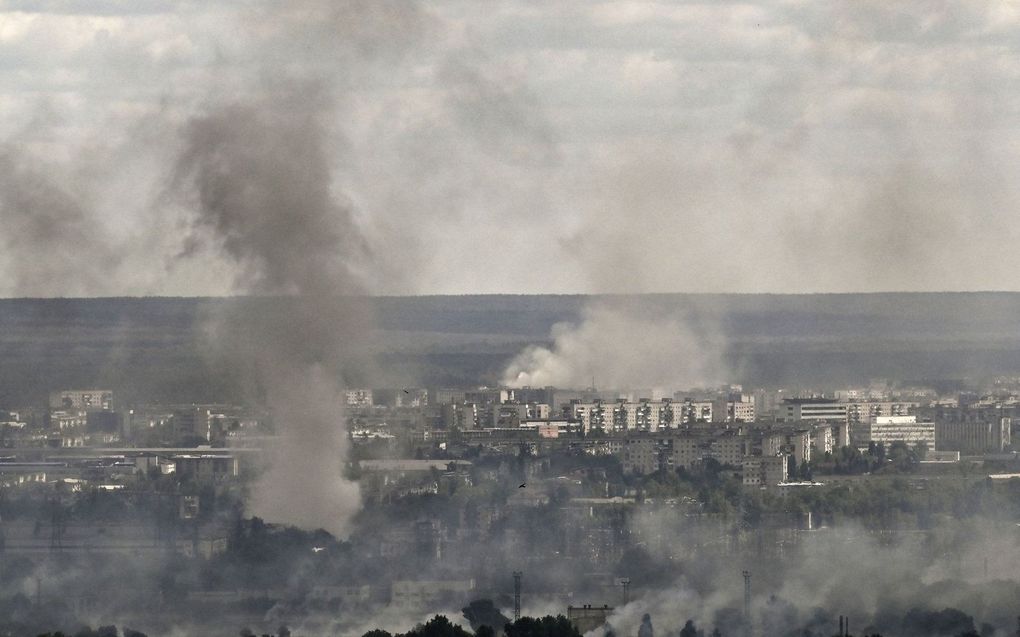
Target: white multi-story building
692, 411
643, 415
889, 429
593, 416
358, 397
649, 453
741, 410
86, 399
794, 409
863, 410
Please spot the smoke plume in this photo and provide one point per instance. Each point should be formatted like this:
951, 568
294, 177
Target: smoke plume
51, 243
261, 183
622, 345
258, 170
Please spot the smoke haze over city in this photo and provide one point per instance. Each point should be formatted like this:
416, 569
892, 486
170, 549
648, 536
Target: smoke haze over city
589, 147
386, 318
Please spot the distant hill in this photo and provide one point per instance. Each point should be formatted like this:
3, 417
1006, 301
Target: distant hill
152, 347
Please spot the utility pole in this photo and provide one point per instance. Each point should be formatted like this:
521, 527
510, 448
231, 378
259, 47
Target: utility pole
748, 631
625, 583
517, 594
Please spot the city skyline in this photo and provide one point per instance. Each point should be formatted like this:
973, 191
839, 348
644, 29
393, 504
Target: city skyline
449, 318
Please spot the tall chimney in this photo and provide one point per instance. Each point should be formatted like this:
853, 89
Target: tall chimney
748, 631
517, 595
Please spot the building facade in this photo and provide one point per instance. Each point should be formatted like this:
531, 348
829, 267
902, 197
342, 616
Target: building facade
886, 430
81, 399
973, 437
793, 409
765, 471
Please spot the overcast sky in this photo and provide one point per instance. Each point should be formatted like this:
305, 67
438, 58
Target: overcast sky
532, 147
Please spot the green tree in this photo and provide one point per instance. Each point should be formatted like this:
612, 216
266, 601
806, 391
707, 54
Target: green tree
547, 626
438, 626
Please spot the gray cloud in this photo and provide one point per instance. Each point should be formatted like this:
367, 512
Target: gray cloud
595, 146
51, 243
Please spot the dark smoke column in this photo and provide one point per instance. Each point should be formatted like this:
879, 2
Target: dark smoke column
258, 176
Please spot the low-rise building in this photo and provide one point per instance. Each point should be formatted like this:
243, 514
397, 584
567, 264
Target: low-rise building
550, 428
68, 419
587, 618
206, 467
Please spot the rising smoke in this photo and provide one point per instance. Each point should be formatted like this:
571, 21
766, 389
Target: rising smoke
259, 174
621, 344
260, 170
47, 223
889, 583
261, 182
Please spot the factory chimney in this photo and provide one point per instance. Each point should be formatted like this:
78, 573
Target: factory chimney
748, 630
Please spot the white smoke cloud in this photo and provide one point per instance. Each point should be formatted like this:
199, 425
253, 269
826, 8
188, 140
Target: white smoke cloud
618, 346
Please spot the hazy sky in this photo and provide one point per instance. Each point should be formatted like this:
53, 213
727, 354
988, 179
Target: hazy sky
567, 146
